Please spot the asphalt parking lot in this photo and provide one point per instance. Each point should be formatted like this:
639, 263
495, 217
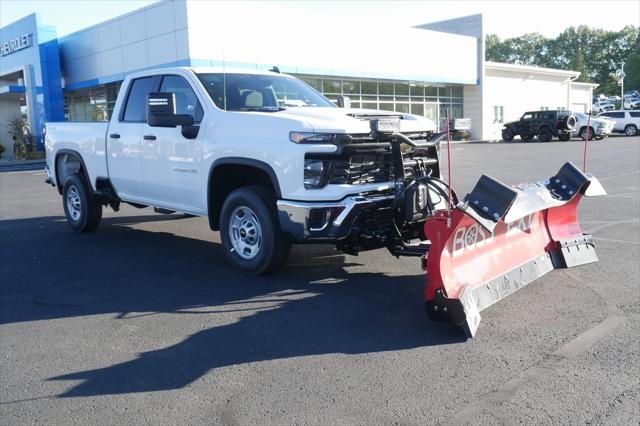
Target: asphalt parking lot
143, 322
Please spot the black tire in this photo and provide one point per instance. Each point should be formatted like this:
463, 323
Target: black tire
83, 213
583, 133
569, 122
630, 130
257, 206
545, 134
564, 137
507, 135
527, 137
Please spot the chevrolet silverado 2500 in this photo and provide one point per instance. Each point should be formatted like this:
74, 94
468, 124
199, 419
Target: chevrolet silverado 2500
265, 157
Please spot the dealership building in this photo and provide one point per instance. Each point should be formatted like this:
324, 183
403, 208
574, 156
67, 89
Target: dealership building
427, 70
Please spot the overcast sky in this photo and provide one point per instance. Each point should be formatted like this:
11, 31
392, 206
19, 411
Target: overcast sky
507, 18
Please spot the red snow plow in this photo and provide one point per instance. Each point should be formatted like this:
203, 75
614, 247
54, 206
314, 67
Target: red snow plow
478, 250
499, 239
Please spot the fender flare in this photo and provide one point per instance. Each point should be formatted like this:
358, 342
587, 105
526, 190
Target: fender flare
76, 154
242, 161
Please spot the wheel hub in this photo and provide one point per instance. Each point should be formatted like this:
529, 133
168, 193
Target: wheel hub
74, 203
245, 232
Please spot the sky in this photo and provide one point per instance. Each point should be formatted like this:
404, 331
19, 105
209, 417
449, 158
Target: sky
507, 18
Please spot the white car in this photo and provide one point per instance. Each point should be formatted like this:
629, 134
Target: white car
602, 106
631, 103
599, 127
627, 122
614, 98
267, 159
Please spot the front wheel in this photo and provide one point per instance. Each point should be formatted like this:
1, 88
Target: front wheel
250, 231
82, 211
507, 135
630, 130
583, 133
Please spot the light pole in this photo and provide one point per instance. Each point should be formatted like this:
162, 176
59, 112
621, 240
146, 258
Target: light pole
620, 75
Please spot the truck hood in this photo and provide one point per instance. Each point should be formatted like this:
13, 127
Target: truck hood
352, 120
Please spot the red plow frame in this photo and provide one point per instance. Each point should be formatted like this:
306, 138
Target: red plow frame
499, 239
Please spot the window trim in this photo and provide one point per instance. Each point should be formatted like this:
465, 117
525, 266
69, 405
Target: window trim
195, 92
123, 110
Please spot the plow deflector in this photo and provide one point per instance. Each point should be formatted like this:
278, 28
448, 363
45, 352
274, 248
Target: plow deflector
500, 239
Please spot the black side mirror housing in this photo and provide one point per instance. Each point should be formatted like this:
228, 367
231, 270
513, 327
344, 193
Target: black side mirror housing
161, 111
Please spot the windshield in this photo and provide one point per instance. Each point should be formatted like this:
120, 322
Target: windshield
251, 92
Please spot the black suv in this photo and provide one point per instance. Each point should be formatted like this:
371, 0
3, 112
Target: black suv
543, 124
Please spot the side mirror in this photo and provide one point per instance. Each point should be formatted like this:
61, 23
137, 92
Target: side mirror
161, 111
344, 102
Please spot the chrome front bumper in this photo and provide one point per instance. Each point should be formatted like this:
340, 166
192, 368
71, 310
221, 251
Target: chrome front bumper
325, 221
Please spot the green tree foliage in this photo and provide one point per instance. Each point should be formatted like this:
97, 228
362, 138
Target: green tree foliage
593, 52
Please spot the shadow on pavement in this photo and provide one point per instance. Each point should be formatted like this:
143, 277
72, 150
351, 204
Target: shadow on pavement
314, 306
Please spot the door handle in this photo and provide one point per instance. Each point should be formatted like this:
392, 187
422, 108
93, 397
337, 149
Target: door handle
114, 136
149, 137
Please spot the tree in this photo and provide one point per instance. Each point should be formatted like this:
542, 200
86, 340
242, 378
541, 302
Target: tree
593, 52
632, 68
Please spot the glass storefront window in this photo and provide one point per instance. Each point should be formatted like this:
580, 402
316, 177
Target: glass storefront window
402, 89
456, 91
385, 88
369, 88
402, 107
332, 86
417, 109
349, 87
370, 105
431, 91
386, 106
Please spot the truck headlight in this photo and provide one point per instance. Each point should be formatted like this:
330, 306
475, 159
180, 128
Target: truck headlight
310, 137
313, 173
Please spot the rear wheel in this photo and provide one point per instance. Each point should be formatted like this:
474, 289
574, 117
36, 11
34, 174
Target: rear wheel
250, 231
630, 130
545, 135
583, 133
507, 135
82, 211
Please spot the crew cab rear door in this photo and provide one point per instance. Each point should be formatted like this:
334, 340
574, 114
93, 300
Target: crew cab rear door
171, 159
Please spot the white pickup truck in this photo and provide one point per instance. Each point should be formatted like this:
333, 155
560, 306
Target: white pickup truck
265, 157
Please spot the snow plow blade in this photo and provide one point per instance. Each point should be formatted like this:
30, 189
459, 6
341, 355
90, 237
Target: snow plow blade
501, 238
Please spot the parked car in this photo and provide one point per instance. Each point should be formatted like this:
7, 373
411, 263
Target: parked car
631, 103
599, 127
614, 98
602, 106
543, 124
230, 146
631, 94
627, 122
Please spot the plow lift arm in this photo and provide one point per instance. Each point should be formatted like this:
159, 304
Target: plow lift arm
493, 242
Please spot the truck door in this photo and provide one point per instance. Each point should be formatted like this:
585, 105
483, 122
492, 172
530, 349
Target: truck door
124, 141
172, 166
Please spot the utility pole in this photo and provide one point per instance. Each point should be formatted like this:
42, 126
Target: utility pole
620, 75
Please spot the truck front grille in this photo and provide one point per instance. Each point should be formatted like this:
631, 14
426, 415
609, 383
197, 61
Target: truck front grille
362, 169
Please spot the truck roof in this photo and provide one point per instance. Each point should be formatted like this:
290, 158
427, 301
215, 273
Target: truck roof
206, 70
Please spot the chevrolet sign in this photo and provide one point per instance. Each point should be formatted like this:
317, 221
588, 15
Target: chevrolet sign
15, 44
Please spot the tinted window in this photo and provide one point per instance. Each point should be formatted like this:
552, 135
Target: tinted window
186, 99
613, 114
136, 108
635, 114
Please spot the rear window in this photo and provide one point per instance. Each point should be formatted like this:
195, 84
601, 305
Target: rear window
136, 107
635, 114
